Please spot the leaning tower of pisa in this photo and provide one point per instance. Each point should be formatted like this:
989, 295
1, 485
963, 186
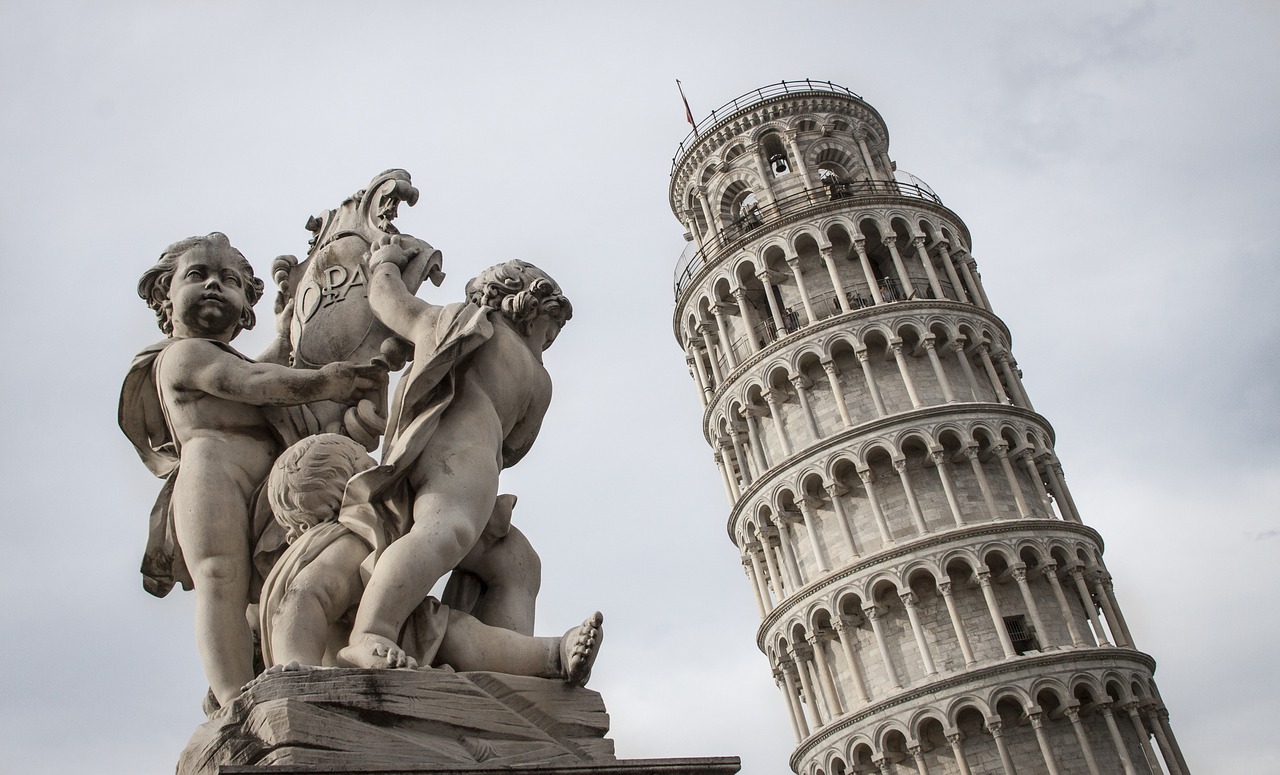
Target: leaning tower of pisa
931, 600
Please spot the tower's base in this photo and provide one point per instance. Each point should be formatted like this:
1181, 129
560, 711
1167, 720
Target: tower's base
407, 721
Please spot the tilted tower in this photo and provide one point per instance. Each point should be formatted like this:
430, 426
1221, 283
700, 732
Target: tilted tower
931, 600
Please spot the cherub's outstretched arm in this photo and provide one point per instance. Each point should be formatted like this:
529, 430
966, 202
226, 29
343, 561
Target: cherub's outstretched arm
201, 365
389, 297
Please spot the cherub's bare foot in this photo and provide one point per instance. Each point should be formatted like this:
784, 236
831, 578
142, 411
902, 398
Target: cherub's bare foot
372, 651
579, 647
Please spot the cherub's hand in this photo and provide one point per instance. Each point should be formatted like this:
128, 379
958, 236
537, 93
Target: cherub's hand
393, 249
351, 381
284, 319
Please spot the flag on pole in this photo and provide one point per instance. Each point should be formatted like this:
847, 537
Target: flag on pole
688, 114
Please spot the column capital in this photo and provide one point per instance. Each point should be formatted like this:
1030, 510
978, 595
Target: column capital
787, 516
827, 252
909, 599
829, 366
970, 452
938, 457
942, 244
1036, 714
915, 749
900, 465
1001, 450
944, 587
928, 341
860, 244
984, 577
866, 475
889, 240
1130, 707
995, 727
1049, 568
954, 737
800, 381
863, 354
918, 240
873, 611
1072, 712
769, 276
801, 651
1019, 573
842, 624
835, 489
1105, 707
772, 397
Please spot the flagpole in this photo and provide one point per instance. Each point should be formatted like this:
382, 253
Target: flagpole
688, 114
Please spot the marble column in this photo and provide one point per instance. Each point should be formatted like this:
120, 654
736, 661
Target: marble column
873, 613
748, 319
1042, 739
868, 478
1001, 452
829, 366
895, 344
864, 359
891, 242
945, 255
1077, 574
774, 400
1144, 738
909, 602
939, 460
801, 383
993, 609
917, 516
1019, 573
793, 262
1028, 458
996, 728
923, 254
957, 345
1117, 741
828, 258
846, 633
834, 491
972, 454
1051, 573
1073, 714
956, 740
860, 245
824, 675
811, 526
957, 624
928, 343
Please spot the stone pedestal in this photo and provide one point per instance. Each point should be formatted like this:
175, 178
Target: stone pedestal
393, 721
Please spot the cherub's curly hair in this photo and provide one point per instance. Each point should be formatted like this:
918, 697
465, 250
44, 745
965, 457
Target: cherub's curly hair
306, 483
153, 288
521, 291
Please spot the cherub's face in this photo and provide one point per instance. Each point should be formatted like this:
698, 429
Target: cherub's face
208, 293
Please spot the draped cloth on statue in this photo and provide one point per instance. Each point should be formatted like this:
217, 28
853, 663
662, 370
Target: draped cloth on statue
377, 504
143, 418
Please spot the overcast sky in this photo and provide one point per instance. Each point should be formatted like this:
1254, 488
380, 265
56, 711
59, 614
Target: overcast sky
1117, 162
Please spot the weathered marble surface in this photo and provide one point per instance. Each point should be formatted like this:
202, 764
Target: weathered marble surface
362, 719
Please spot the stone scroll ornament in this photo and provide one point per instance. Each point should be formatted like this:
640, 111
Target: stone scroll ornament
325, 297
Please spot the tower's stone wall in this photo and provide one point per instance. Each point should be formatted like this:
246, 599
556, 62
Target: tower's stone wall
930, 598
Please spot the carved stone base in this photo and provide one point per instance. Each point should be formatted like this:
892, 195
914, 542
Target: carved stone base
391, 721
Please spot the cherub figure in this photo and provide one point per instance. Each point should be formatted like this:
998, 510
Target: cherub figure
194, 408
311, 592
471, 405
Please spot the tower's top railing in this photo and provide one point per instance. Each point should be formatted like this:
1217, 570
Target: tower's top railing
754, 97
